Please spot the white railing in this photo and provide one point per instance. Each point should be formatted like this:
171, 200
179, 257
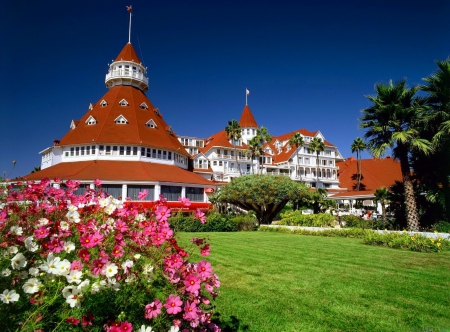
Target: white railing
128, 74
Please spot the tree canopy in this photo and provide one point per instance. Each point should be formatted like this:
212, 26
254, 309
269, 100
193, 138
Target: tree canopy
264, 194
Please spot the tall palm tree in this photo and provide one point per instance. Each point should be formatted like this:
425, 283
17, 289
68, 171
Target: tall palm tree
233, 131
437, 180
382, 195
254, 149
317, 145
263, 135
357, 146
390, 123
297, 141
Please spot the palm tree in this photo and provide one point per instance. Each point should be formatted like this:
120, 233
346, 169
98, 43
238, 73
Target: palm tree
357, 146
254, 149
297, 141
390, 122
263, 135
233, 131
382, 195
318, 146
437, 179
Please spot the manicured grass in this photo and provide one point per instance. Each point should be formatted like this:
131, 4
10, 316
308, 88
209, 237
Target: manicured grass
286, 282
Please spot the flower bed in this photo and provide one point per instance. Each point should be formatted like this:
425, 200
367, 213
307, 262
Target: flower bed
91, 261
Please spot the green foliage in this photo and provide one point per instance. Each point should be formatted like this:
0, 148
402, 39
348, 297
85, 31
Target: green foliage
442, 227
264, 194
296, 218
343, 232
406, 241
215, 223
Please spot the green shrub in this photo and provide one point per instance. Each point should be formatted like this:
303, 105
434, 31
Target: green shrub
346, 232
358, 222
442, 227
245, 222
406, 241
215, 222
296, 218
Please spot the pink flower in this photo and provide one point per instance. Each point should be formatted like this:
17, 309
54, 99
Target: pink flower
143, 194
190, 311
87, 241
126, 327
158, 238
173, 304
175, 261
87, 320
200, 215
98, 265
41, 232
204, 251
153, 309
184, 201
204, 269
84, 255
76, 265
121, 226
192, 283
97, 182
162, 213
73, 321
117, 251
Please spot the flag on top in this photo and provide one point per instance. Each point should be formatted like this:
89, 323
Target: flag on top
248, 92
129, 9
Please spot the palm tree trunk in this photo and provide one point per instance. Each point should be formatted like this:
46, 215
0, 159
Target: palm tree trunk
317, 171
236, 156
359, 170
412, 217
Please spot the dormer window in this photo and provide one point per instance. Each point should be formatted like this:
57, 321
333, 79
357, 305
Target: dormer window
143, 106
91, 107
123, 102
288, 148
73, 125
156, 110
121, 120
103, 103
169, 130
150, 123
91, 121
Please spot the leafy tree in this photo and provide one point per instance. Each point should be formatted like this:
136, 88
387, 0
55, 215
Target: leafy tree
36, 169
297, 141
391, 123
318, 200
254, 149
436, 179
233, 131
264, 194
357, 146
382, 196
317, 145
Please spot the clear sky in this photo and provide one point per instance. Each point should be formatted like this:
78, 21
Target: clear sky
307, 64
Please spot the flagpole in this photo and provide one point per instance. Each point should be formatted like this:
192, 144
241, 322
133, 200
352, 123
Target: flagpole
246, 96
129, 29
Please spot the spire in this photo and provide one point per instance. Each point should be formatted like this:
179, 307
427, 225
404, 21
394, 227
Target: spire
247, 119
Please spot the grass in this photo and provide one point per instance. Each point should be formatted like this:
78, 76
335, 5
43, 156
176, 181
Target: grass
285, 282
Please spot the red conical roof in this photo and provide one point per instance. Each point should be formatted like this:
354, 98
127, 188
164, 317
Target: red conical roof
128, 54
247, 120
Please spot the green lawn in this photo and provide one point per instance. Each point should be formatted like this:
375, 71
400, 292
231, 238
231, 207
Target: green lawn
285, 282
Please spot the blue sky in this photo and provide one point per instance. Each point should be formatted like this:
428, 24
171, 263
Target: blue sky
307, 64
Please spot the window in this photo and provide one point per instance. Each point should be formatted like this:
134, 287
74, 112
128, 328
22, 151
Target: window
164, 155
82, 151
169, 156
115, 190
149, 153
220, 163
123, 102
134, 190
121, 120
218, 151
103, 103
156, 110
72, 152
215, 163
159, 154
128, 150
143, 106
91, 121
151, 124
195, 194
122, 150
88, 150
171, 193
142, 152
101, 150
108, 150
153, 153
135, 151
91, 107
114, 150
328, 152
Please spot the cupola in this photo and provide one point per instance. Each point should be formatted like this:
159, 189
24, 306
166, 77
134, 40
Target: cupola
127, 69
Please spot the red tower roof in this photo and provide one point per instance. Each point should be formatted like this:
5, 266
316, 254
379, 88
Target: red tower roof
128, 54
247, 120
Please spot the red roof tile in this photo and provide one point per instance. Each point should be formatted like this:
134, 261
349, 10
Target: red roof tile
120, 171
247, 119
219, 139
128, 54
376, 173
106, 131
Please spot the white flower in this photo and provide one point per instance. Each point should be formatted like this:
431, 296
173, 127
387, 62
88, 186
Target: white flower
12, 250
31, 286
128, 264
137, 256
18, 261
174, 329
83, 285
63, 267
68, 290
64, 225
110, 270
23, 274
110, 209
73, 214
96, 287
140, 217
33, 271
74, 276
130, 279
110, 221
69, 246
147, 269
145, 329
16, 230
9, 296
74, 300
114, 284
6, 272
51, 265
42, 222
30, 244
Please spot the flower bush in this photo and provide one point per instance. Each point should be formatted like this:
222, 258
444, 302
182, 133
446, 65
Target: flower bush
72, 263
296, 218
